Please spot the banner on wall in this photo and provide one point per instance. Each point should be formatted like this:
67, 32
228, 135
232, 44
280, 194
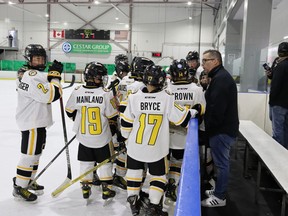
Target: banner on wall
86, 47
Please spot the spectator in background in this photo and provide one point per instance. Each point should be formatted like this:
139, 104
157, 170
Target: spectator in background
221, 122
278, 99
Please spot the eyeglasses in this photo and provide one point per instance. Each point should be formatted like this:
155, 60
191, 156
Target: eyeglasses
205, 60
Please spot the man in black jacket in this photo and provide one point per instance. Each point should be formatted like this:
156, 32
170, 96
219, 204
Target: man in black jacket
221, 122
278, 98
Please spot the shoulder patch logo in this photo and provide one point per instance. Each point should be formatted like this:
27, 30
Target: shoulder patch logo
32, 72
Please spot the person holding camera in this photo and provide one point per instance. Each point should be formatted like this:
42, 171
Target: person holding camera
278, 100
36, 91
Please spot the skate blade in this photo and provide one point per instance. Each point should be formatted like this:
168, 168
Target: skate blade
21, 199
37, 192
107, 202
88, 202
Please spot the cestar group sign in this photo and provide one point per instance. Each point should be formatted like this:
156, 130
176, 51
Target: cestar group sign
86, 48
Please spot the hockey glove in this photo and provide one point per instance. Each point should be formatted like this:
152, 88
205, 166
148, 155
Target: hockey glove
120, 138
55, 70
199, 112
121, 145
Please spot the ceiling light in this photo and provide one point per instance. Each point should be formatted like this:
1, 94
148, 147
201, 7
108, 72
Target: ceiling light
285, 37
97, 2
46, 15
190, 17
11, 3
189, 3
126, 26
116, 18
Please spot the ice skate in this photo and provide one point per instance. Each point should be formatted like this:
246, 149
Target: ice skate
171, 194
134, 204
107, 194
38, 189
120, 182
23, 193
154, 210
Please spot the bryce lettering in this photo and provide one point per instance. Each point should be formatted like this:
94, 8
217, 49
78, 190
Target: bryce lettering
89, 99
183, 96
150, 106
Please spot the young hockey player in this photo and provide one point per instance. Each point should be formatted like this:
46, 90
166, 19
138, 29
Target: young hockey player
145, 122
188, 94
193, 62
36, 91
122, 71
93, 110
138, 67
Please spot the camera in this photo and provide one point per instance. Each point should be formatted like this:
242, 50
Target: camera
266, 67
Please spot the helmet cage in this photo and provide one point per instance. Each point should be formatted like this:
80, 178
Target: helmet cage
35, 50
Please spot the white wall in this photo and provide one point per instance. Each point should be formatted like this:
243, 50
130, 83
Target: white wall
154, 28
254, 107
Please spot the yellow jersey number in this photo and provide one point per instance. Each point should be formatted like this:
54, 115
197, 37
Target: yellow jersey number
153, 119
92, 114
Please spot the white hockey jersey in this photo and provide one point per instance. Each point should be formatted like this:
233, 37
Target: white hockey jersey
95, 106
135, 86
145, 123
122, 88
186, 95
35, 95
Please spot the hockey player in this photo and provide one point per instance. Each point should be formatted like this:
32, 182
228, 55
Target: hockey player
122, 71
138, 67
188, 94
195, 69
92, 108
36, 91
145, 122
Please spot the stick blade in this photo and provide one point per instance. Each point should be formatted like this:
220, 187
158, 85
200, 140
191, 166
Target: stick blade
59, 190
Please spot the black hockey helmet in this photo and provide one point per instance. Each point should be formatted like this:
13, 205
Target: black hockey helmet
154, 75
192, 55
120, 58
35, 50
179, 71
95, 70
138, 66
122, 67
283, 49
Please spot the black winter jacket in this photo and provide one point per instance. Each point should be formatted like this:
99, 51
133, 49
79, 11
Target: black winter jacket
279, 85
221, 115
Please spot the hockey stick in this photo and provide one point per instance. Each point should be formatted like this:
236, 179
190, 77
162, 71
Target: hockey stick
59, 190
71, 83
57, 155
69, 170
69, 173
